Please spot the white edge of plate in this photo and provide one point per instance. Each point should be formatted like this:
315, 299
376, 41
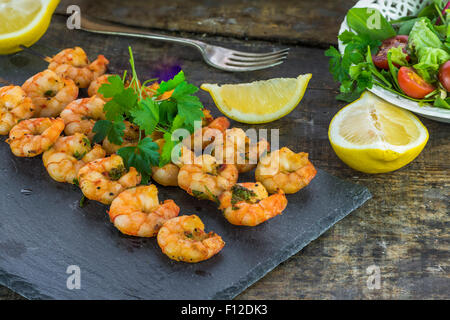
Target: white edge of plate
427, 111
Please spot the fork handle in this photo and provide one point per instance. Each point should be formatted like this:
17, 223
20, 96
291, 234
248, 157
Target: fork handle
90, 25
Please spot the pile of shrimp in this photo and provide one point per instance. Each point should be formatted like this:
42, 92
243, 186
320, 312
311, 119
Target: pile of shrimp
46, 116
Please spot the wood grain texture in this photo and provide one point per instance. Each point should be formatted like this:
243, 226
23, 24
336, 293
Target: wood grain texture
290, 21
404, 229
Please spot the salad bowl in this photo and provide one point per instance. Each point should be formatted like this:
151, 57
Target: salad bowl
391, 10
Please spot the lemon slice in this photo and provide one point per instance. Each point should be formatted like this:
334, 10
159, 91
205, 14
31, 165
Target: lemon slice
373, 136
259, 101
23, 22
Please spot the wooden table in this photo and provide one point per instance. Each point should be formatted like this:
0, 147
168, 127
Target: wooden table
403, 230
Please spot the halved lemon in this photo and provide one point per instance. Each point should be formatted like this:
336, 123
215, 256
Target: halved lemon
23, 22
374, 136
259, 101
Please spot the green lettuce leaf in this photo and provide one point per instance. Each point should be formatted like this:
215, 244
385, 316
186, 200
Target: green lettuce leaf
422, 36
430, 60
398, 56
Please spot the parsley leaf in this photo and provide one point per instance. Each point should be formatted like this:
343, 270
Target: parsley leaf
166, 152
146, 115
112, 87
165, 86
352, 69
142, 157
113, 130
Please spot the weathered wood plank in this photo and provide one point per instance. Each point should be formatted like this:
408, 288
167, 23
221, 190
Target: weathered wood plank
310, 22
403, 229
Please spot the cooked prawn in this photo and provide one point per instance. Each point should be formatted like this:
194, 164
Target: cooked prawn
130, 139
80, 116
96, 84
137, 211
150, 91
50, 93
286, 170
184, 239
14, 106
167, 175
237, 148
74, 64
204, 136
103, 179
249, 204
31, 137
68, 155
206, 179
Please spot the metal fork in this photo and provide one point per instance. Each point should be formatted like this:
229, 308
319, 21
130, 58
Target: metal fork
216, 56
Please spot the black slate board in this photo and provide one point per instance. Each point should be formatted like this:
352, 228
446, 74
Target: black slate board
43, 231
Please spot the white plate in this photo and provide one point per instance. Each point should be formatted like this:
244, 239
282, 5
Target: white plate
395, 9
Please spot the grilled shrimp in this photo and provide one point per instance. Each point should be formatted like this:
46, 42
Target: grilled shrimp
68, 155
14, 106
183, 239
130, 139
167, 175
74, 64
249, 204
80, 116
103, 179
31, 137
205, 179
149, 91
137, 211
206, 135
286, 170
96, 84
236, 148
50, 93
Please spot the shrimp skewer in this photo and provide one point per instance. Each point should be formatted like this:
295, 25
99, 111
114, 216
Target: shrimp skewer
137, 211
167, 175
32, 137
249, 204
212, 130
184, 239
74, 64
286, 170
68, 155
206, 179
49, 93
14, 106
80, 116
103, 179
236, 148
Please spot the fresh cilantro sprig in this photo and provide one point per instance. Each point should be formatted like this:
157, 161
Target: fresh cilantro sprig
130, 101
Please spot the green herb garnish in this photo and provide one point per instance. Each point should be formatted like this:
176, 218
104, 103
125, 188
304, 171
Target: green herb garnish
116, 173
240, 193
82, 201
130, 102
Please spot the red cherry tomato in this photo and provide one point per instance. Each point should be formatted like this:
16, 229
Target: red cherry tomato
412, 84
444, 75
380, 59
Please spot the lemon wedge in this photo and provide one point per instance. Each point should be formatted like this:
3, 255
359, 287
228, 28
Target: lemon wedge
259, 101
373, 136
23, 22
